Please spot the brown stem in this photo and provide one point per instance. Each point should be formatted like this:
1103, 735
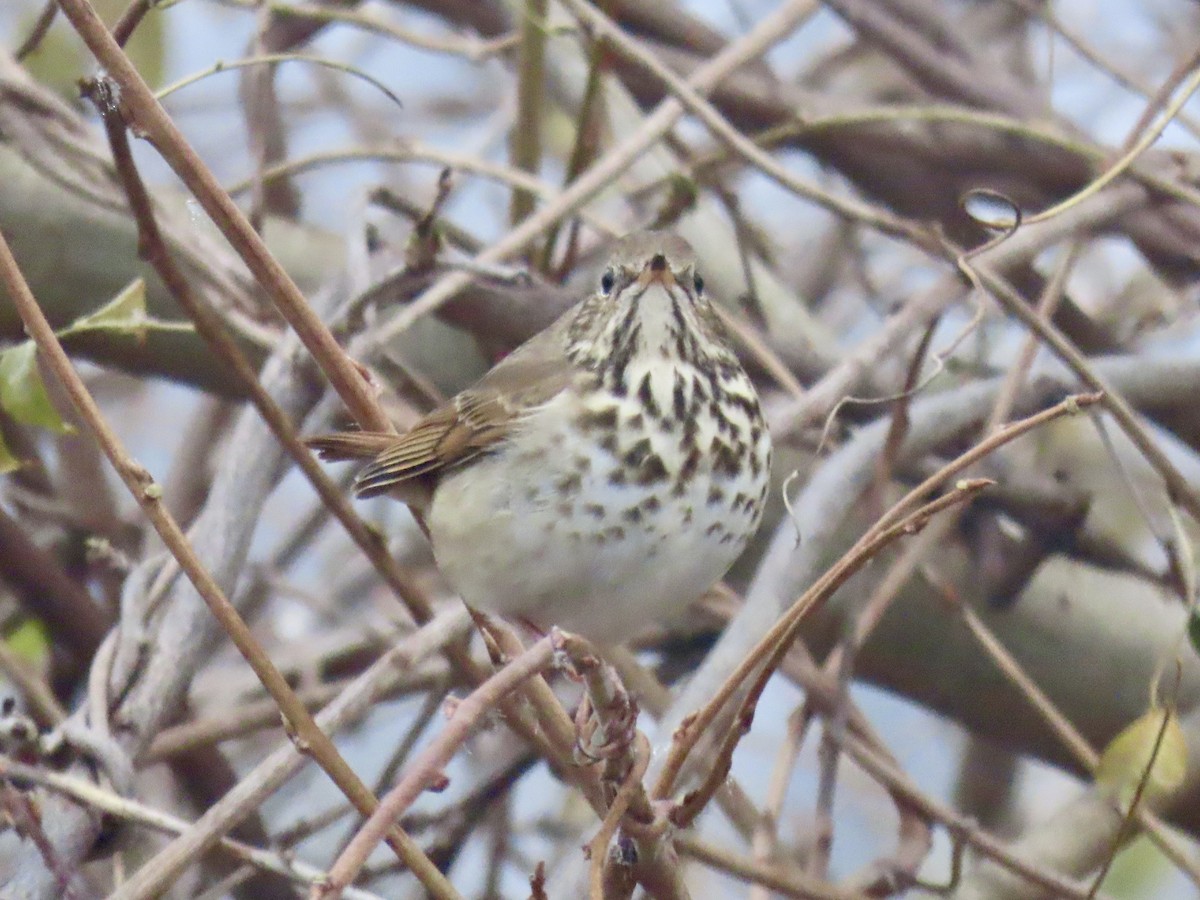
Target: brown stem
426, 769
1178, 486
150, 121
153, 248
525, 144
773, 647
148, 495
701, 720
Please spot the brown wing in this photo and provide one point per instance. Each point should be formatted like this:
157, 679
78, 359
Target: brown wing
351, 444
464, 426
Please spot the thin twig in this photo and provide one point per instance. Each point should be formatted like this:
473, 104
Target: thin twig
208, 324
426, 769
273, 772
773, 28
789, 882
699, 722
1125, 829
769, 653
685, 92
274, 59
1180, 489
149, 120
133, 811
525, 142
1063, 729
473, 49
41, 27
130, 19
597, 849
148, 495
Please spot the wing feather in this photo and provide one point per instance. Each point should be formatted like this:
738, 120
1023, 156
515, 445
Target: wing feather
351, 444
469, 424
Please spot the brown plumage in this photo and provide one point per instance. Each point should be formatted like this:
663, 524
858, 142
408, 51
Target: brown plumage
461, 428
603, 474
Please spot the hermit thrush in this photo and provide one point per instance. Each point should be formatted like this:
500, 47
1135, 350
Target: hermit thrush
602, 475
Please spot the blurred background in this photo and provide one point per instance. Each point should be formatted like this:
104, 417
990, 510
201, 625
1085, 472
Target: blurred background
395, 120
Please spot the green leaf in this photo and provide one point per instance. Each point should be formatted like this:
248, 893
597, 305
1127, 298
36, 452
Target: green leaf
22, 392
123, 314
1139, 871
1194, 628
1124, 761
31, 641
8, 462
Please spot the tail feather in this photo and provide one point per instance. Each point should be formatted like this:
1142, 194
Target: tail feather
343, 445
351, 444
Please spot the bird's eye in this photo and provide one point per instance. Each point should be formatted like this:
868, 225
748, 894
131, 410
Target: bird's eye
607, 281
698, 283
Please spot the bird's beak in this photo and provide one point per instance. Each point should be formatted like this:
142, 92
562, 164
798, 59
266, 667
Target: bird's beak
658, 271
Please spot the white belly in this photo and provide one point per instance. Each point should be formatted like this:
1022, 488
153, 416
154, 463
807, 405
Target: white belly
542, 530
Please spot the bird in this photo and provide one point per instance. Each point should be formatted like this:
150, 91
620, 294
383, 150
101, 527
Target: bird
603, 475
